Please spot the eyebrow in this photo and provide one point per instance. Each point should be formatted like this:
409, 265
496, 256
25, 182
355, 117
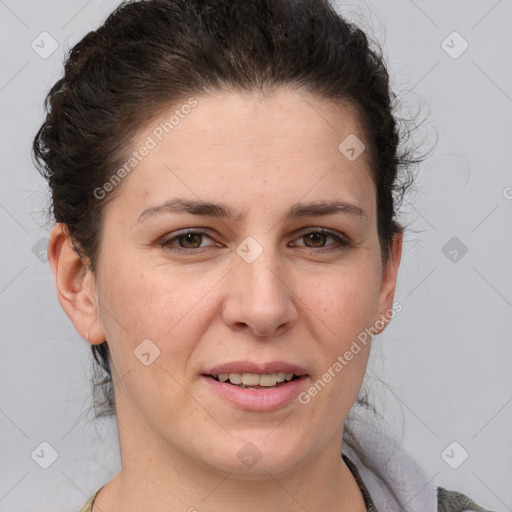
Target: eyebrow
222, 211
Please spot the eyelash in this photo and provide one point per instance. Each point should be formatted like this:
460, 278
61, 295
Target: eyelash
342, 243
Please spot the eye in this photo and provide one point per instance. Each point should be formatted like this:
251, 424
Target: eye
188, 239
317, 239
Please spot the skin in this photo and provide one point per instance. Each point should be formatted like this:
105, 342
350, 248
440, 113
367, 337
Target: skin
179, 440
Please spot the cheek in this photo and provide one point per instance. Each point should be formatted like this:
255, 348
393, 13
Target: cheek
345, 302
150, 305
163, 306
345, 305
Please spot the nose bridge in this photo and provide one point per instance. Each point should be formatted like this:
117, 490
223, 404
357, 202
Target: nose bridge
261, 297
260, 269
266, 269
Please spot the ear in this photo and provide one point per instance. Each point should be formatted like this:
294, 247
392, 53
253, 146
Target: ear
386, 310
76, 286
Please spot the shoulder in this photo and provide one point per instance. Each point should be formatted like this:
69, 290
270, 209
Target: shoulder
453, 501
88, 506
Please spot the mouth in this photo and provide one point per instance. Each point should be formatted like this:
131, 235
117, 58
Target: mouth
255, 380
255, 386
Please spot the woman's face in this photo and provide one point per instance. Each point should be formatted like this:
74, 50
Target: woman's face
281, 274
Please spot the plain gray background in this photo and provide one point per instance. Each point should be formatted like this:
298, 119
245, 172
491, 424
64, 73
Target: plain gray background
443, 363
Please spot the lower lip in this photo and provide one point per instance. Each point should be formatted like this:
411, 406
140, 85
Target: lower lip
258, 399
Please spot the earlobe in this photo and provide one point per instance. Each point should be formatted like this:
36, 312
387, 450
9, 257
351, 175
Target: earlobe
75, 285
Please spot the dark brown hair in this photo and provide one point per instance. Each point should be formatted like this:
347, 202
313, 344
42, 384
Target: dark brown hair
151, 54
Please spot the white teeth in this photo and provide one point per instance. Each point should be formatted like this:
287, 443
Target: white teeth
250, 379
254, 379
235, 378
268, 380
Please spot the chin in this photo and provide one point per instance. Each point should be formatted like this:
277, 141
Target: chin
259, 455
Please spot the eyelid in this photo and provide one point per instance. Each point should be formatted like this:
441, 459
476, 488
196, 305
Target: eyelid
341, 240
166, 239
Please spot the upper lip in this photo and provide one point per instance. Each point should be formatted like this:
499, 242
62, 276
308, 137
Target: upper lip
259, 368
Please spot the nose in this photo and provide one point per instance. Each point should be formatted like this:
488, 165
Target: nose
259, 297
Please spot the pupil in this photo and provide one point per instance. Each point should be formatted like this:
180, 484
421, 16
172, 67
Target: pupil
315, 238
189, 238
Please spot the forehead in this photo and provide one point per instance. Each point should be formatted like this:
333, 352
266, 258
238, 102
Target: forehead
233, 118
248, 147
